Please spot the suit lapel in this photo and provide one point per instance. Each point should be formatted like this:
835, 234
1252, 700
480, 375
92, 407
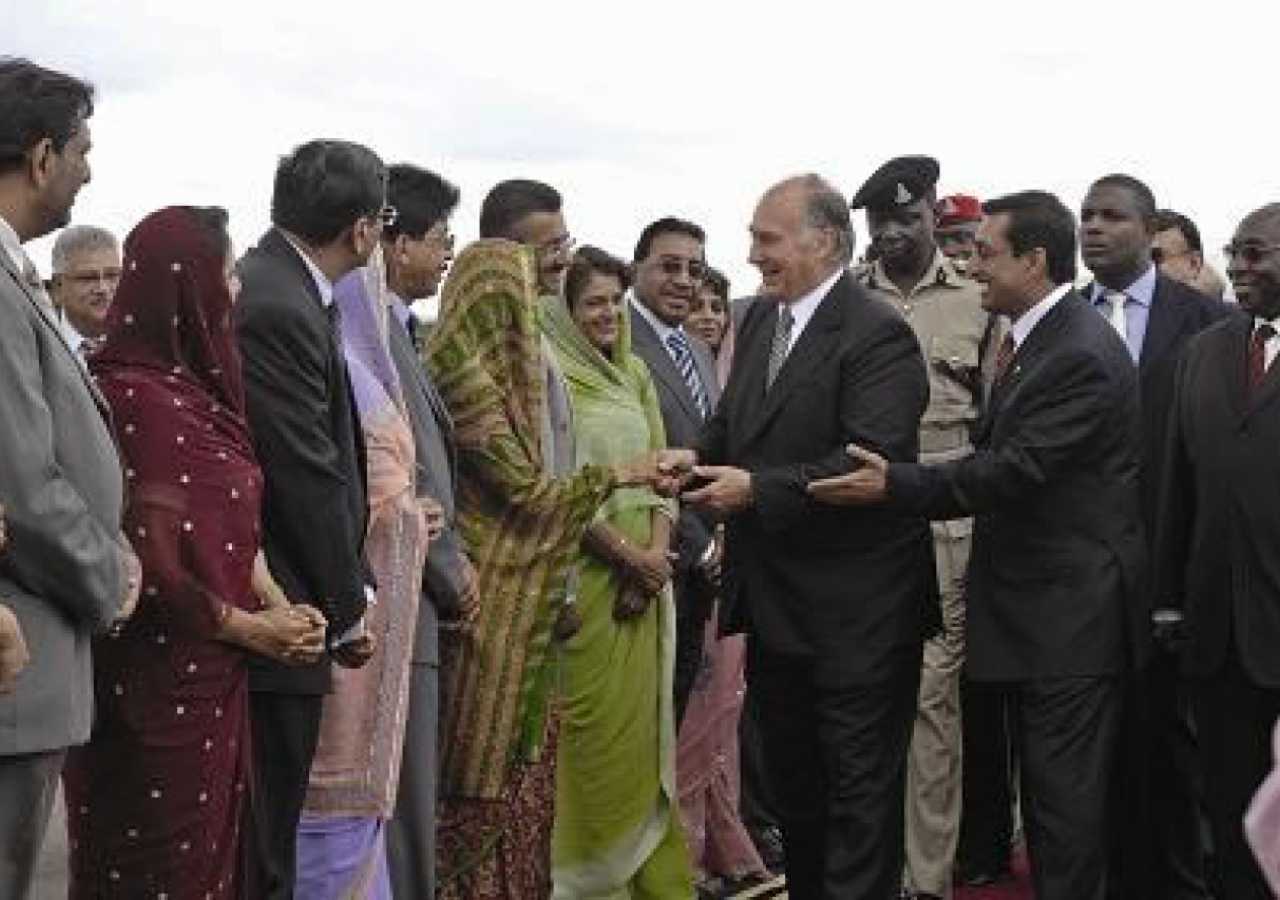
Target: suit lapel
1164, 323
1265, 392
44, 313
661, 364
1041, 338
811, 349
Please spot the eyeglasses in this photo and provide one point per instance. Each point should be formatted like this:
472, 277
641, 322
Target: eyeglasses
673, 266
560, 246
1250, 253
388, 215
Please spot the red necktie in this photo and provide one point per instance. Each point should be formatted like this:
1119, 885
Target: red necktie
1258, 354
1004, 356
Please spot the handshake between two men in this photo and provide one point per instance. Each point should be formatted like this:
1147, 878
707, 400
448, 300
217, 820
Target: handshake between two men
726, 490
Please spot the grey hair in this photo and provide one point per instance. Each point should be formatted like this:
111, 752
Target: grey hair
826, 208
78, 238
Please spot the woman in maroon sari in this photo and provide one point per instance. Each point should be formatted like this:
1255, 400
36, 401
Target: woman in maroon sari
156, 802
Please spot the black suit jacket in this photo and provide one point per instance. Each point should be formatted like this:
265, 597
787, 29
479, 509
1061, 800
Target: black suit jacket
844, 586
1177, 314
1220, 512
308, 441
1058, 556
681, 421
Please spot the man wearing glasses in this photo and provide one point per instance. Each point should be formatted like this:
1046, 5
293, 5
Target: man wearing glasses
531, 213
668, 266
1217, 560
86, 270
328, 209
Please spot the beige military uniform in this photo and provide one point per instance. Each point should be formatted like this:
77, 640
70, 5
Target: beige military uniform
958, 340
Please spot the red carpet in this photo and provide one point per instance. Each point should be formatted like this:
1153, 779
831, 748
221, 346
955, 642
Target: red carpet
1018, 888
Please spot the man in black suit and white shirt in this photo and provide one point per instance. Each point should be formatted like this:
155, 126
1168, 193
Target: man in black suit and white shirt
1058, 554
1218, 557
668, 265
327, 209
1156, 848
837, 601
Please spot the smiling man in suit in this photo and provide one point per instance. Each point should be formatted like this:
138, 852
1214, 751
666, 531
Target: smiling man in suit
1156, 849
1058, 554
326, 211
1217, 558
837, 601
668, 265
66, 570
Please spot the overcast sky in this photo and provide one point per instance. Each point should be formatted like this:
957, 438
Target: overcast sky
640, 109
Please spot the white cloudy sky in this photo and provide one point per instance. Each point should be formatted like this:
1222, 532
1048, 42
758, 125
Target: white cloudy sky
641, 108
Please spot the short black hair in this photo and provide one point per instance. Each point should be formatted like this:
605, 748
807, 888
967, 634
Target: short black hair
421, 199
666, 225
38, 103
324, 187
588, 261
510, 201
717, 281
1172, 220
211, 222
1142, 194
1039, 219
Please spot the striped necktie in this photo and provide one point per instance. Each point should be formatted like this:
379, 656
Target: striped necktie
678, 345
781, 343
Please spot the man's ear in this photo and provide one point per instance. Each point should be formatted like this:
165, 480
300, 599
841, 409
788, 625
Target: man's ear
42, 159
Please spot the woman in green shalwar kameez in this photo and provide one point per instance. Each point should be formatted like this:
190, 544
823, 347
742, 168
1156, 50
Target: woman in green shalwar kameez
617, 831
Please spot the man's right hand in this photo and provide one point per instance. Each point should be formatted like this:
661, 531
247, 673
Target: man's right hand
13, 650
133, 586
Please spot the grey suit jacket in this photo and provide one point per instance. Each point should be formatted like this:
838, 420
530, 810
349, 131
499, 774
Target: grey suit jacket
63, 571
434, 447
680, 418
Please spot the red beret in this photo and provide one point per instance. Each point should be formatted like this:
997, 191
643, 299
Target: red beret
958, 209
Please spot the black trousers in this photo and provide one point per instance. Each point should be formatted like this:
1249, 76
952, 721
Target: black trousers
1065, 730
286, 728
694, 600
836, 756
1157, 851
986, 817
757, 804
1235, 717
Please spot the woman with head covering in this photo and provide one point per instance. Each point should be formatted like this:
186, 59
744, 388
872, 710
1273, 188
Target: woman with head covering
352, 793
157, 800
707, 761
522, 513
617, 828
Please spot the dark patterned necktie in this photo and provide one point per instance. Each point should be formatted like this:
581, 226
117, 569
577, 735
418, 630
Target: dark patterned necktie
1258, 354
781, 343
678, 344
1004, 356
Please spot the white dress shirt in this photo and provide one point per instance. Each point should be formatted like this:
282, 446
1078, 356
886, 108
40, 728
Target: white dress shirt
802, 310
1272, 346
322, 283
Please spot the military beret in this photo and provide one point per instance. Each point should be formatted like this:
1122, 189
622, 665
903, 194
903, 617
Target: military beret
902, 180
958, 209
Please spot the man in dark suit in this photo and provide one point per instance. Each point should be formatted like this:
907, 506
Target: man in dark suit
1058, 555
417, 249
668, 265
1218, 557
1156, 847
326, 209
837, 601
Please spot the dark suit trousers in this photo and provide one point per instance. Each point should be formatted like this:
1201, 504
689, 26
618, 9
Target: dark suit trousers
28, 784
286, 728
986, 819
694, 601
1235, 718
411, 833
1157, 850
1065, 730
836, 755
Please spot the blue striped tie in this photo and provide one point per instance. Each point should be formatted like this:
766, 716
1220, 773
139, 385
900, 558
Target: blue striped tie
683, 356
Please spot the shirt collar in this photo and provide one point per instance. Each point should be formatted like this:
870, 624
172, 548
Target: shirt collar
941, 272
1022, 328
661, 328
399, 308
1141, 291
323, 285
802, 310
12, 245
